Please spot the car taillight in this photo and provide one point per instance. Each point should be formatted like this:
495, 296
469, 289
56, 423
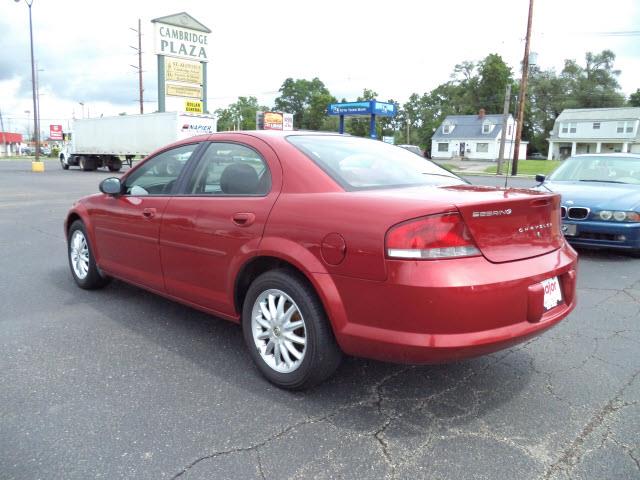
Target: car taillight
432, 237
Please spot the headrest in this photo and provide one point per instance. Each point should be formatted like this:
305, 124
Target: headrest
239, 178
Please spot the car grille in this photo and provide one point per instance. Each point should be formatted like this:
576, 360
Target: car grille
577, 213
609, 237
563, 212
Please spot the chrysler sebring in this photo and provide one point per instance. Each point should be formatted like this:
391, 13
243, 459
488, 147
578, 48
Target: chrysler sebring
321, 245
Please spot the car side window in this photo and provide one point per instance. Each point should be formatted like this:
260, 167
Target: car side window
230, 169
159, 174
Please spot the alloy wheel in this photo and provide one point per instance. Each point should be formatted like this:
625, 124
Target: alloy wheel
279, 331
79, 254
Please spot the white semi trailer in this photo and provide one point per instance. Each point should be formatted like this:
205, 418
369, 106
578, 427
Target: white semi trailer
112, 141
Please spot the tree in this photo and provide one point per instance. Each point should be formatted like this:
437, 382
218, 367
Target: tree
493, 77
545, 101
634, 99
239, 115
307, 100
595, 85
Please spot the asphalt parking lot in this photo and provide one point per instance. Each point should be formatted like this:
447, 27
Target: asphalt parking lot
120, 383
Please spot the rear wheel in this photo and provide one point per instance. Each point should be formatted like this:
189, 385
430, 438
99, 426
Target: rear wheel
81, 260
287, 331
114, 164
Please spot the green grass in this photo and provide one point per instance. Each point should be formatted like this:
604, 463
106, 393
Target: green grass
531, 167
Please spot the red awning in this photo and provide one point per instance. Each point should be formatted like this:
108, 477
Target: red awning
10, 137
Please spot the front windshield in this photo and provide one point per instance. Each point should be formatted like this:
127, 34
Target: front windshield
599, 168
360, 163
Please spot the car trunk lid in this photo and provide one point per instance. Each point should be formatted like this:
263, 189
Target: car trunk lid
510, 225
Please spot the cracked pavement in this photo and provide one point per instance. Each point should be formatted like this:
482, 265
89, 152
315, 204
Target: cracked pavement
120, 383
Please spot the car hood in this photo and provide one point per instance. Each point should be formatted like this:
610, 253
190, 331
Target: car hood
604, 196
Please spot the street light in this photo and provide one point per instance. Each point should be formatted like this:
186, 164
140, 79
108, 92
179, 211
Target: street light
82, 104
36, 128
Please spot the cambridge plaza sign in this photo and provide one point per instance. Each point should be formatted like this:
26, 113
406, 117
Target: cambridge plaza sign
182, 47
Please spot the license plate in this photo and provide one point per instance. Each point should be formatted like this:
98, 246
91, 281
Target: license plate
569, 230
552, 293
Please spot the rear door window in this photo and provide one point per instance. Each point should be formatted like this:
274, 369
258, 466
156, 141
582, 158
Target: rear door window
230, 169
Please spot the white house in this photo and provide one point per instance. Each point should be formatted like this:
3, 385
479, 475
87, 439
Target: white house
595, 130
474, 137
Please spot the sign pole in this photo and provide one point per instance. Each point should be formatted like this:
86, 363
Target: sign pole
341, 130
161, 86
204, 87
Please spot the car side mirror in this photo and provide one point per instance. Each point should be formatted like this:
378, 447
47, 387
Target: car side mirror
540, 178
111, 186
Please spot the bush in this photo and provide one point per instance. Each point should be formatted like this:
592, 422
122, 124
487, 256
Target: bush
55, 152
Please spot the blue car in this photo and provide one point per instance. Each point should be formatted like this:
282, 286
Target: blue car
600, 200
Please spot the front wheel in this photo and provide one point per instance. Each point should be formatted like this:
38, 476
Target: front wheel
63, 163
81, 260
287, 331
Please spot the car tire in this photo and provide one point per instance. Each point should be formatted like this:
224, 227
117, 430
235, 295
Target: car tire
287, 363
63, 164
82, 262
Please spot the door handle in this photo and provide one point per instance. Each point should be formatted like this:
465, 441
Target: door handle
243, 219
149, 213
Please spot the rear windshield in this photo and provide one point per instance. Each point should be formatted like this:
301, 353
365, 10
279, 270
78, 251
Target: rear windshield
360, 163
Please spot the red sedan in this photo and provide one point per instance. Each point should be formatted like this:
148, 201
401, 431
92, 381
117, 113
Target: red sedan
321, 244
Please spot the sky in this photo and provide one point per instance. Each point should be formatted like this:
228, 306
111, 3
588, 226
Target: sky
396, 48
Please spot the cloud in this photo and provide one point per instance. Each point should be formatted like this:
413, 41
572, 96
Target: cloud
70, 68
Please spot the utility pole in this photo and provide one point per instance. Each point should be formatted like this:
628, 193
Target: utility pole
4, 138
139, 67
505, 121
38, 99
523, 92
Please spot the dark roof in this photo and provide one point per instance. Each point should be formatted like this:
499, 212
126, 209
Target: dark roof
469, 127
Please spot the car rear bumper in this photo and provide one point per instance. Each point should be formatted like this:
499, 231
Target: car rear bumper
439, 311
624, 236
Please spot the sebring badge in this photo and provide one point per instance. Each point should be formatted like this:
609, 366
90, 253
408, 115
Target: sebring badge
492, 213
